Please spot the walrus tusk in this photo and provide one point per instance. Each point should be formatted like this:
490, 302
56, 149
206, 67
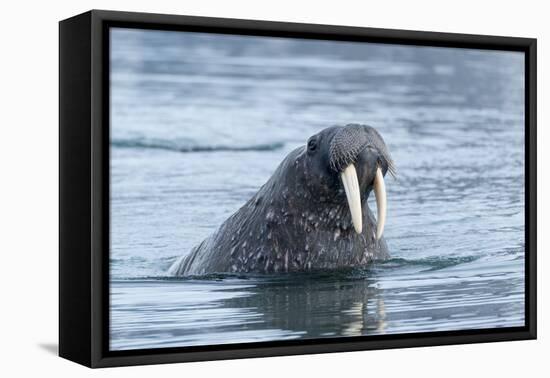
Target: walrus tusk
381, 203
351, 186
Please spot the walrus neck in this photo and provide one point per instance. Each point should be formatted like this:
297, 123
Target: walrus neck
287, 198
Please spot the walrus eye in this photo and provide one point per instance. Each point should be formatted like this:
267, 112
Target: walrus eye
312, 145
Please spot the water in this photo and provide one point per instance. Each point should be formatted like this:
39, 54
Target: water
199, 123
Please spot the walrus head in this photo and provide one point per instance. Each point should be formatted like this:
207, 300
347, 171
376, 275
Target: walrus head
346, 164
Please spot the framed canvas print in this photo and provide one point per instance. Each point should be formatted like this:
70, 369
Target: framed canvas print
234, 188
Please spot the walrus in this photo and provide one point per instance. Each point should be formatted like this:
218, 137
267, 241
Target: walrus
312, 213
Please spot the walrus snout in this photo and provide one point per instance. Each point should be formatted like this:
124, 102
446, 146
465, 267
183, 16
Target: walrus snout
359, 147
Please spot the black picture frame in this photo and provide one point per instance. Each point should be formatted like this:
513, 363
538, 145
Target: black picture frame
84, 188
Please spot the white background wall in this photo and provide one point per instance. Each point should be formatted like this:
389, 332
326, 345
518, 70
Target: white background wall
29, 186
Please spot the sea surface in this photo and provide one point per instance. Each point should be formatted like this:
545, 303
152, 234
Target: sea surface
199, 122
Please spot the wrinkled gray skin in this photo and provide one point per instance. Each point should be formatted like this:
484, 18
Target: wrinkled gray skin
300, 220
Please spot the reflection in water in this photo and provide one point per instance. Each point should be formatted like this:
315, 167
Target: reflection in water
240, 310
324, 307
200, 122
174, 312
